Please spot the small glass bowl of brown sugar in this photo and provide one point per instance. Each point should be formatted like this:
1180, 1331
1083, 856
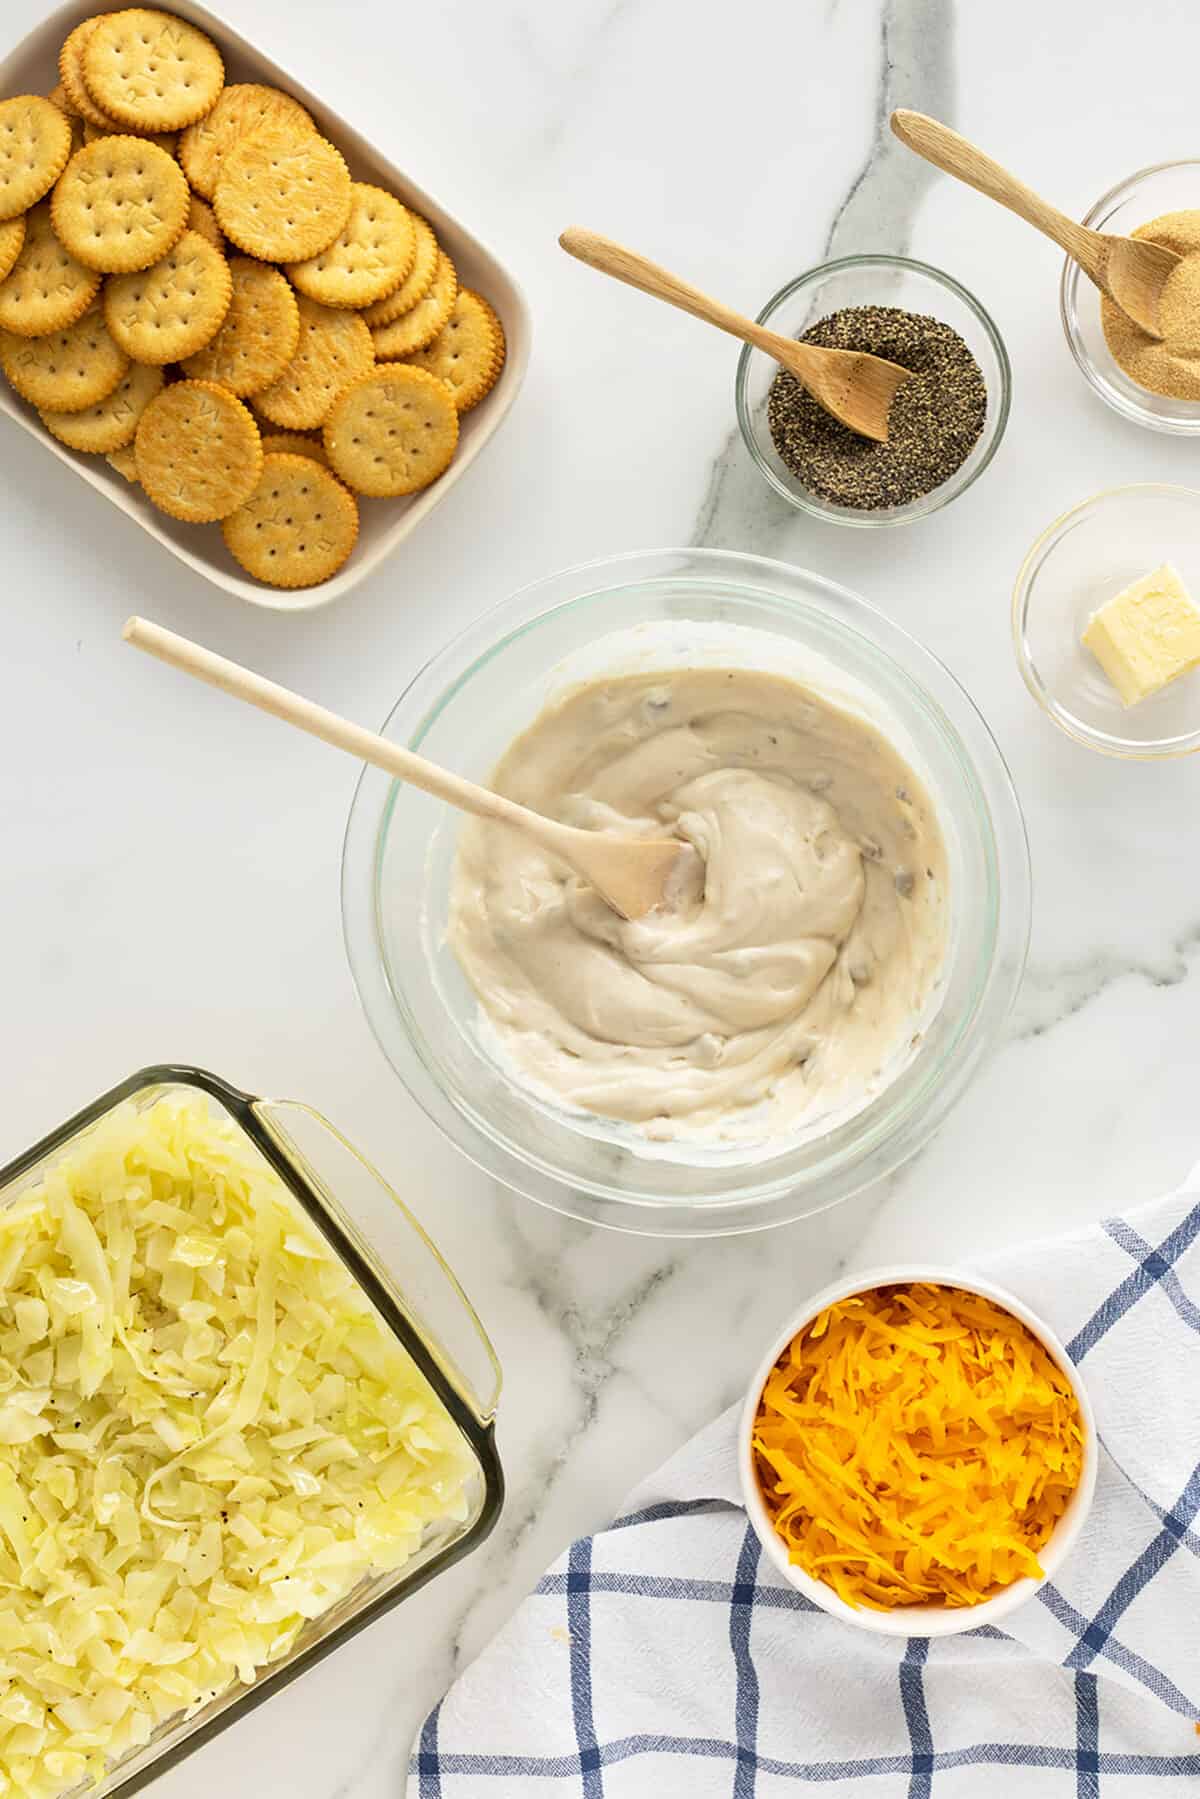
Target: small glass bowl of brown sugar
1154, 384
946, 424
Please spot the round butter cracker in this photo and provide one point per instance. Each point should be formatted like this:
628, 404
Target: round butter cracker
46, 289
370, 256
297, 528
35, 147
334, 349
120, 204
151, 71
243, 108
68, 371
468, 352
294, 443
282, 195
174, 308
125, 463
203, 219
259, 335
422, 322
416, 283
199, 454
59, 97
166, 140
78, 134
70, 74
12, 236
112, 423
393, 432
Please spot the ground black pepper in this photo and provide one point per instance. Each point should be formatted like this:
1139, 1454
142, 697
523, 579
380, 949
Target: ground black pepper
935, 421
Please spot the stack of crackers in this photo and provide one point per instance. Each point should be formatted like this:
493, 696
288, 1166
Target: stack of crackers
192, 285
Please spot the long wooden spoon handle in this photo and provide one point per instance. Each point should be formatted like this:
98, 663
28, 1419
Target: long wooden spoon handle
956, 156
638, 271
242, 684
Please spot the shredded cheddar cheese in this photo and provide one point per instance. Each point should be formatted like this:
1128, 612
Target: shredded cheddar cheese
916, 1445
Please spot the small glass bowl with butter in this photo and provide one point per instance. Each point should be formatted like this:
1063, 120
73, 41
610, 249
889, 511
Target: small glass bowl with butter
1082, 563
1165, 187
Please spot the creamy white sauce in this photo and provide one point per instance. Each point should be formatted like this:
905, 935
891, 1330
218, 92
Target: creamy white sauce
780, 990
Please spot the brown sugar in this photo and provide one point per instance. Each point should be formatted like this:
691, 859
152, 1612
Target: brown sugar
1169, 366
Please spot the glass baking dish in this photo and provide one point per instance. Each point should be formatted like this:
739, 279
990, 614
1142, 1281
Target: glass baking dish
429, 1314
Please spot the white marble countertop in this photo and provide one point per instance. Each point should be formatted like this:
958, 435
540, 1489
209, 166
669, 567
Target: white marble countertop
147, 829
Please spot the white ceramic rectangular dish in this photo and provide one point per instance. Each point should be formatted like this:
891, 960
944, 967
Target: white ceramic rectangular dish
384, 524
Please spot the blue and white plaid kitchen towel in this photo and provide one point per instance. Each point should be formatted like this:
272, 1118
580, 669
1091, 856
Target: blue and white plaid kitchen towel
663, 1659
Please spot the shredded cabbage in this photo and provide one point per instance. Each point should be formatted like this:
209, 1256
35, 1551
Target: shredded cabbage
207, 1438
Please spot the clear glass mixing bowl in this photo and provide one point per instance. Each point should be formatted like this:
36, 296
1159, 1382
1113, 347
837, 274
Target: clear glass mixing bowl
666, 609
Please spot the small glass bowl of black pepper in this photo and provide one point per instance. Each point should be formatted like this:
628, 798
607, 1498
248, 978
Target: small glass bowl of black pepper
946, 422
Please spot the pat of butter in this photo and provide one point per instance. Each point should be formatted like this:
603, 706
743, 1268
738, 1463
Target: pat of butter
1147, 636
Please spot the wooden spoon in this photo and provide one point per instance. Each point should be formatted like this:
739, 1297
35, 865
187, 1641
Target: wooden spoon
856, 388
1131, 271
631, 873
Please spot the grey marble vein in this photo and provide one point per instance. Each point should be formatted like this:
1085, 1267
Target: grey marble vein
593, 1334
592, 1329
367, 1756
1049, 997
916, 68
566, 82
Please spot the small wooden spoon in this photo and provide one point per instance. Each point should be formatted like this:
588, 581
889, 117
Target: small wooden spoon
856, 388
631, 873
1130, 271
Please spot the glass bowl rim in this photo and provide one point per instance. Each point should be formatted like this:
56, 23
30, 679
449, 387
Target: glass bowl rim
1068, 312
758, 1197
1160, 750
939, 496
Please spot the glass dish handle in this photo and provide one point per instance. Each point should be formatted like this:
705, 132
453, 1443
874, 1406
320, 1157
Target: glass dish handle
430, 1296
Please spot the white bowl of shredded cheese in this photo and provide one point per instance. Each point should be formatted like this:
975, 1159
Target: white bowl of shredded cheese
916, 1430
